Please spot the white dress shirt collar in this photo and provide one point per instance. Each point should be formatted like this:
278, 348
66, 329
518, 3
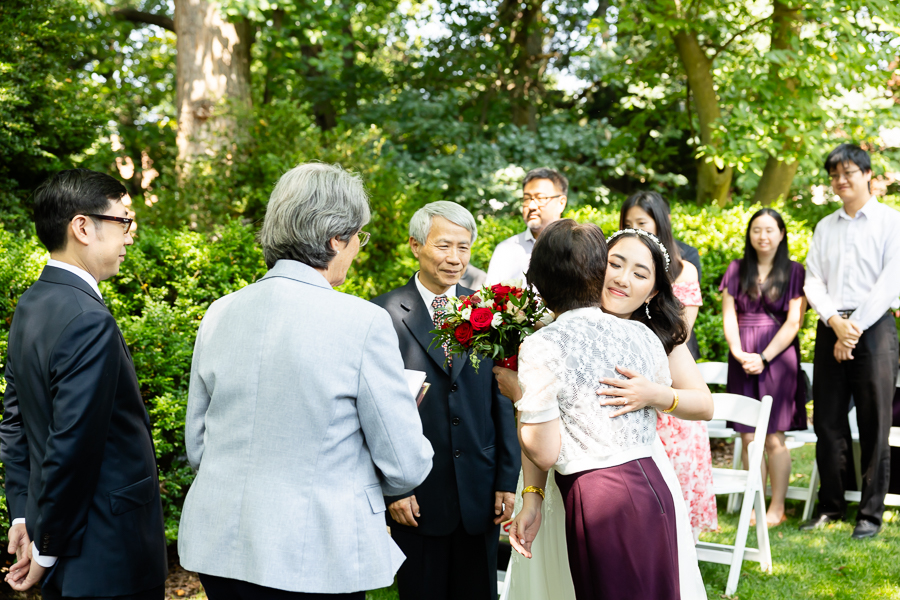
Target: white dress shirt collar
428, 296
528, 236
87, 277
864, 210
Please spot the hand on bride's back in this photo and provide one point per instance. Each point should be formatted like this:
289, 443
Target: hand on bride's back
630, 394
524, 528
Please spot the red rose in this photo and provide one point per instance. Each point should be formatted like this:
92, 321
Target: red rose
481, 318
501, 292
463, 333
466, 301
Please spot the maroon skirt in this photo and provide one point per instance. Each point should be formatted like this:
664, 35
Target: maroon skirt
620, 533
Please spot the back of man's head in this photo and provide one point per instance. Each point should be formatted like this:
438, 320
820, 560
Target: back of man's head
67, 194
559, 180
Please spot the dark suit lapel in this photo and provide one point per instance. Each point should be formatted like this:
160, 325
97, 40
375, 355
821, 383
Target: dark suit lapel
418, 321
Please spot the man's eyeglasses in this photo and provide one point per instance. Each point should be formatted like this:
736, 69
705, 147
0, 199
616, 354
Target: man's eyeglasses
124, 221
835, 177
540, 200
363, 238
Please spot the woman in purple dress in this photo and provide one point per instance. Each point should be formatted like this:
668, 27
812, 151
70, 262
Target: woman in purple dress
762, 309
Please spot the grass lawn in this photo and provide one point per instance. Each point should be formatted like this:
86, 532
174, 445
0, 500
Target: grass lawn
820, 564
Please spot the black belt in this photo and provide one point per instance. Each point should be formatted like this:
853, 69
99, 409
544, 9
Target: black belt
845, 314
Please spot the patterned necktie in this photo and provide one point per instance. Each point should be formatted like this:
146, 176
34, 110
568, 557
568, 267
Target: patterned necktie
438, 305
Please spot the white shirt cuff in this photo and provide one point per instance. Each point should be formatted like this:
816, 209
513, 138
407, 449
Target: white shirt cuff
17, 521
44, 561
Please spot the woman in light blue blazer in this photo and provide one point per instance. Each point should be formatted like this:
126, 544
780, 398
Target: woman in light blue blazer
299, 419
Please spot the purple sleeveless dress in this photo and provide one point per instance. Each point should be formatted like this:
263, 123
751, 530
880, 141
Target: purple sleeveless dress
781, 378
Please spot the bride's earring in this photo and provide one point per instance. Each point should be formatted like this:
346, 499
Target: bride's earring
647, 309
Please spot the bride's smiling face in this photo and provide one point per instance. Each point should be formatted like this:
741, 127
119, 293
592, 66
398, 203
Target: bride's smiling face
630, 277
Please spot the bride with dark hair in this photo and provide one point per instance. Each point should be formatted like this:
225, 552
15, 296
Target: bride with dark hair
585, 534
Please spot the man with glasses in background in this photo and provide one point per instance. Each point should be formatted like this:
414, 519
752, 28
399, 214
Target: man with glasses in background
81, 478
543, 202
853, 282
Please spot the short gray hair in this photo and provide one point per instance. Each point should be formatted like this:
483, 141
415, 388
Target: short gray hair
420, 224
311, 204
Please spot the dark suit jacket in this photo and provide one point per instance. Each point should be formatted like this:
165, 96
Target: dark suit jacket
75, 441
470, 425
690, 254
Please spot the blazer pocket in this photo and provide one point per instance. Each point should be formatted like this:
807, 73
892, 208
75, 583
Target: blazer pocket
133, 496
376, 498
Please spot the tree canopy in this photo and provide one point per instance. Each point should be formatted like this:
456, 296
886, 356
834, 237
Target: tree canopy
199, 106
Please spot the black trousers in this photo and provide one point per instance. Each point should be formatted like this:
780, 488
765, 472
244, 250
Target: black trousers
869, 378
450, 567
222, 588
157, 593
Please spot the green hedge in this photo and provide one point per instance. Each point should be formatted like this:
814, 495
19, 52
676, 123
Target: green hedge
172, 275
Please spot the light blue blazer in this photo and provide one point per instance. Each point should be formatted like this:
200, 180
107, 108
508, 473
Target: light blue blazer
299, 421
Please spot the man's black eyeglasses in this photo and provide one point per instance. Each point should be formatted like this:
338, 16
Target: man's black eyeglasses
125, 221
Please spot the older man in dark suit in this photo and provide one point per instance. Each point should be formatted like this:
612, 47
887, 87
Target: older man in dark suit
81, 477
448, 527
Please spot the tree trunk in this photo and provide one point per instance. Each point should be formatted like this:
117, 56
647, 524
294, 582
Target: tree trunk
525, 49
713, 183
213, 79
778, 174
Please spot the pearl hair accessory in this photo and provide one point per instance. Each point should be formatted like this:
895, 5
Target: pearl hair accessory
647, 235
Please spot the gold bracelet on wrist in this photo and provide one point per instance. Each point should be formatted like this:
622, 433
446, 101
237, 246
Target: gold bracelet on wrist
674, 402
533, 490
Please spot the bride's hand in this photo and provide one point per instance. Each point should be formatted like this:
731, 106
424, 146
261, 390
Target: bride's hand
633, 393
508, 380
524, 527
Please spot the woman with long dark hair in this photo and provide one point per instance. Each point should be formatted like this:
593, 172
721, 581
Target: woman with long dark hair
649, 211
762, 309
686, 442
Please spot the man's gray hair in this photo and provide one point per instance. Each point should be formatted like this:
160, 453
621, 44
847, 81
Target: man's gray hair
311, 204
420, 224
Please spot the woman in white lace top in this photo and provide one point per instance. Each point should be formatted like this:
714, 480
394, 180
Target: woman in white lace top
626, 537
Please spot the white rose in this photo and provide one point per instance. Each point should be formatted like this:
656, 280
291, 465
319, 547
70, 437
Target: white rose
466, 314
497, 320
548, 318
513, 283
520, 317
486, 303
511, 309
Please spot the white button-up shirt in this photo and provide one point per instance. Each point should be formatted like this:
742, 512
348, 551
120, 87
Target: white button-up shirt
428, 296
511, 259
854, 264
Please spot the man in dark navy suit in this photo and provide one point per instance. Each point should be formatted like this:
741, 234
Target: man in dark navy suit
448, 527
81, 478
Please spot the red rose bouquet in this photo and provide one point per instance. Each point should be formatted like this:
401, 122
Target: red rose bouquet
491, 323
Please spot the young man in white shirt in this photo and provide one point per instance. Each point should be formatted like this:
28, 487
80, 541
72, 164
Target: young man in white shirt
852, 282
543, 202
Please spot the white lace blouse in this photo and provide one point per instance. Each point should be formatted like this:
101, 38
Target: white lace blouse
559, 371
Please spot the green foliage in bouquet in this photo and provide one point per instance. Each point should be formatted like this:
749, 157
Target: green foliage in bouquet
490, 323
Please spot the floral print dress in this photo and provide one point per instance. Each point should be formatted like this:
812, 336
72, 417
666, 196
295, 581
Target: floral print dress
687, 445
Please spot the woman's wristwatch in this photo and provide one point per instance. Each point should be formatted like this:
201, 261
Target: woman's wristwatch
764, 360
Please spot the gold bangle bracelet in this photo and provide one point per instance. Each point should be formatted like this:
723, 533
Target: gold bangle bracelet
533, 490
674, 402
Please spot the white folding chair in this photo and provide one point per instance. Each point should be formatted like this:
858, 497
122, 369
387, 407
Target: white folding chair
741, 409
717, 373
